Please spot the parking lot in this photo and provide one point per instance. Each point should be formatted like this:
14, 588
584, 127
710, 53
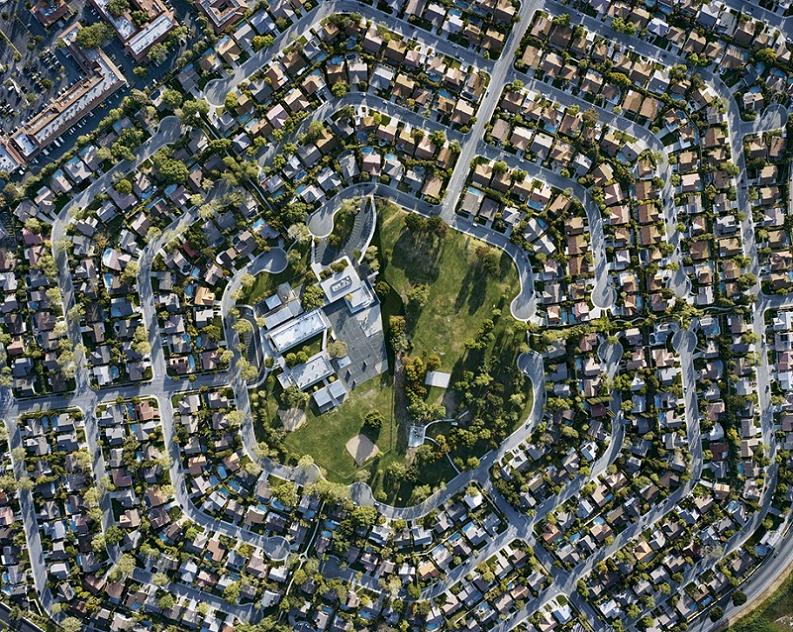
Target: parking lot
32, 69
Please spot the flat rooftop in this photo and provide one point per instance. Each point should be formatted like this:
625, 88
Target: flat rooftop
151, 33
340, 284
64, 112
282, 314
333, 391
309, 373
293, 332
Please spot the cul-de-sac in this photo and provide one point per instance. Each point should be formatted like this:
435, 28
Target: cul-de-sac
396, 315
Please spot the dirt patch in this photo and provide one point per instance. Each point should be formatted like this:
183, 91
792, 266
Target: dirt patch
361, 448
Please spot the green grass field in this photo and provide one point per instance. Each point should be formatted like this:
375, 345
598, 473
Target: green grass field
324, 436
462, 292
462, 295
343, 222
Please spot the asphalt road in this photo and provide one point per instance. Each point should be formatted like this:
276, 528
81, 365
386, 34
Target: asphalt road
523, 307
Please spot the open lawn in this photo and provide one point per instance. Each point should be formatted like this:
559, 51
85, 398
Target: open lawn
466, 280
343, 222
324, 436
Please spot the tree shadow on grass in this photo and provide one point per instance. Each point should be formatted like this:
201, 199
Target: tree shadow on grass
418, 256
473, 289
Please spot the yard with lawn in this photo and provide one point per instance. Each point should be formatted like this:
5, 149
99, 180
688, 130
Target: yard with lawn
343, 222
324, 436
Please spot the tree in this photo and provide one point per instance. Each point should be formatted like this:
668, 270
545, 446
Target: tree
337, 349
11, 192
374, 420
293, 397
313, 297
114, 535
117, 8
766, 55
123, 568
71, 624
82, 459
123, 186
314, 131
299, 233
166, 602
437, 226
160, 579
192, 110
417, 297
171, 170
140, 342
286, 492
339, 89
247, 280
232, 101
397, 333
126, 564
172, 98
243, 327
415, 223
500, 167
98, 543
589, 118
262, 41
231, 593
157, 53
130, 272
94, 36
247, 370
235, 418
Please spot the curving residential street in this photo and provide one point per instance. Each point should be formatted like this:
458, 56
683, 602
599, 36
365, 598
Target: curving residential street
659, 385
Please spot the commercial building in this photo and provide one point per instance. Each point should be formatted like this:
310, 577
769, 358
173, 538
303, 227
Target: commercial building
329, 396
139, 38
347, 284
103, 79
293, 332
48, 12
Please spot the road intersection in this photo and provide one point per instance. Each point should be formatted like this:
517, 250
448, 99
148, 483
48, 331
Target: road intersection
524, 308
